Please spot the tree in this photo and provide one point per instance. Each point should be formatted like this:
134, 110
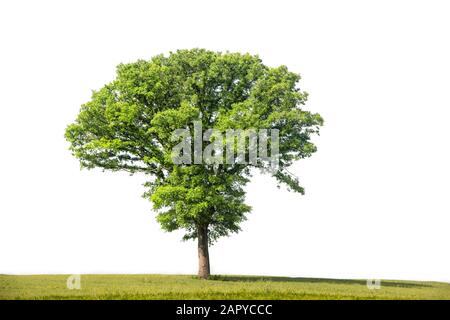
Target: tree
129, 125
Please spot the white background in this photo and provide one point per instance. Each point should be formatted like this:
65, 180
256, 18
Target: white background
377, 190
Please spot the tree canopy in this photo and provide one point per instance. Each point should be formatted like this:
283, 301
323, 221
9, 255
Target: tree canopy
128, 125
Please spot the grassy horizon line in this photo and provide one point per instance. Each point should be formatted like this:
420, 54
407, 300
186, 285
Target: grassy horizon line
190, 287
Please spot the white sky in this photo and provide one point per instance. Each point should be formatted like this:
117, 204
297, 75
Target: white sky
376, 203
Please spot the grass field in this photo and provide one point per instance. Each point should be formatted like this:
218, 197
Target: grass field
219, 287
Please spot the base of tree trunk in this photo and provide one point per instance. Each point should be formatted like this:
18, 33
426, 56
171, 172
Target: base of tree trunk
203, 253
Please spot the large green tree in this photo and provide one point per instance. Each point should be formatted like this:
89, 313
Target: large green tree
129, 125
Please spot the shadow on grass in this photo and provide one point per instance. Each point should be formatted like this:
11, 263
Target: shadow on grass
386, 283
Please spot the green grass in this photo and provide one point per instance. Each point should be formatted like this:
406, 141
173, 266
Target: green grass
218, 287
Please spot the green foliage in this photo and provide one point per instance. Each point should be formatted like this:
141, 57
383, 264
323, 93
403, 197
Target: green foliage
128, 125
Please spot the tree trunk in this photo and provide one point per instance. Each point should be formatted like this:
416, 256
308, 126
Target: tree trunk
203, 253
